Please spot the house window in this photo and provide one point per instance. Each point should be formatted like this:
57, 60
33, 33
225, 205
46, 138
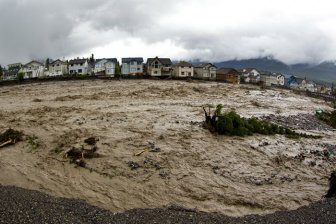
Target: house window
139, 69
81, 64
189, 73
155, 72
80, 70
156, 64
182, 73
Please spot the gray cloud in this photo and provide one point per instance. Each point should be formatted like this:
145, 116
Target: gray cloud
42, 28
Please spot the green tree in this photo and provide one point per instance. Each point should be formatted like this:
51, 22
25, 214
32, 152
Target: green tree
118, 69
92, 59
1, 72
47, 62
20, 76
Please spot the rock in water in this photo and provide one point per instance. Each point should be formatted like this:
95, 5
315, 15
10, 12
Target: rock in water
90, 141
332, 186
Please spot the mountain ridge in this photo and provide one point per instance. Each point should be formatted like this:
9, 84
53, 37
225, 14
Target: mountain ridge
324, 71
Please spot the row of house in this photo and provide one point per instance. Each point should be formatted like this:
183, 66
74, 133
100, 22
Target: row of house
252, 75
158, 67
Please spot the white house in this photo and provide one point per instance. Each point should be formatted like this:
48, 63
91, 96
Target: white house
80, 66
250, 75
132, 66
205, 71
33, 69
305, 85
12, 71
183, 69
106, 66
159, 67
57, 68
277, 79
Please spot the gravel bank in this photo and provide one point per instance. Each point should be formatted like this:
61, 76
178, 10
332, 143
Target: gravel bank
301, 121
19, 205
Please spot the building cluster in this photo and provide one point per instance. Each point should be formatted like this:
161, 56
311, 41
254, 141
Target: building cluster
252, 75
157, 67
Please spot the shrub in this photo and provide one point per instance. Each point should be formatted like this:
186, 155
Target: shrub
20, 76
230, 123
328, 117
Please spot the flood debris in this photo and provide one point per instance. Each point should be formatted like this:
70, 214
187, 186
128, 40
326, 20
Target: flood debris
165, 174
332, 186
152, 147
10, 137
152, 163
140, 153
91, 141
133, 165
78, 155
156, 149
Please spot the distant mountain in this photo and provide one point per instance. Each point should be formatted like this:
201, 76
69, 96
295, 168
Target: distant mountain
325, 71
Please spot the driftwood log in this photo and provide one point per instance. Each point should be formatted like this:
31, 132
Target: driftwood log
7, 143
77, 155
9, 137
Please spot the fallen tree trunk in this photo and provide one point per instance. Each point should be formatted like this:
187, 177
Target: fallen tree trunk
6, 143
9, 137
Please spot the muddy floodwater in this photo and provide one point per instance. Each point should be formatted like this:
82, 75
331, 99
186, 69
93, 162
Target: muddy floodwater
153, 150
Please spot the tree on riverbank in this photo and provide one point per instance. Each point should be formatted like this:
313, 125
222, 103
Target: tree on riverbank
232, 124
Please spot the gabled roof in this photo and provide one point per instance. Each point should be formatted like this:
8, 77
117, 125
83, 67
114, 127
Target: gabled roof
226, 70
204, 65
299, 80
164, 61
183, 64
247, 70
57, 61
34, 62
14, 66
128, 60
288, 76
114, 60
276, 74
265, 73
78, 61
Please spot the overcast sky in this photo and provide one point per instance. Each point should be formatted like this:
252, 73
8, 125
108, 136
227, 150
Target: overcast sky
293, 31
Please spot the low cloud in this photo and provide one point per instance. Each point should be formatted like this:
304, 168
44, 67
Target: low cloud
215, 30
